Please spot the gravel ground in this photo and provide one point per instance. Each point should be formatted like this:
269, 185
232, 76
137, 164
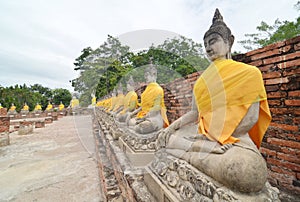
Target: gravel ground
55, 163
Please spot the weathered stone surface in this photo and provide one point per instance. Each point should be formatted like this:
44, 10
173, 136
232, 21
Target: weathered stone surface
4, 139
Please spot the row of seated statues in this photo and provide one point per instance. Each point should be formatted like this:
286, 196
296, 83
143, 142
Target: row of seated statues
229, 116
37, 109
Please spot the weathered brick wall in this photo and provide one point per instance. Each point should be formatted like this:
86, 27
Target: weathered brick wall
279, 64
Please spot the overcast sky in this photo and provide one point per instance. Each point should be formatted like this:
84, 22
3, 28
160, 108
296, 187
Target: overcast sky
39, 40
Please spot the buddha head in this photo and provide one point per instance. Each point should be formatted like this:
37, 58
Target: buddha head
130, 84
150, 74
218, 40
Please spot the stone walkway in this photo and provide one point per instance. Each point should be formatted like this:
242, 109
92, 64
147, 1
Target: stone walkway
55, 163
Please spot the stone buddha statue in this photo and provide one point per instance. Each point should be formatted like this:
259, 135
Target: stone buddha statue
49, 107
37, 108
74, 102
230, 108
151, 116
61, 106
12, 108
130, 101
25, 107
119, 102
1, 106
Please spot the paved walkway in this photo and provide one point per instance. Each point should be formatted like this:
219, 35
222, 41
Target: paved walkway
55, 163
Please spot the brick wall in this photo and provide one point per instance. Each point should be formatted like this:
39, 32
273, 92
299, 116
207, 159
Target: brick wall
279, 64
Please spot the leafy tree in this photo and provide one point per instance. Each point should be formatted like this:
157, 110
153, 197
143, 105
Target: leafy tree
61, 95
268, 34
79, 61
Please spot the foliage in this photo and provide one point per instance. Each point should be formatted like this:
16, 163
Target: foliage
269, 34
61, 95
112, 63
21, 94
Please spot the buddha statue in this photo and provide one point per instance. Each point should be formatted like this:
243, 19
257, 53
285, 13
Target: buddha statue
49, 107
94, 100
112, 101
1, 106
119, 102
61, 106
230, 108
12, 108
37, 108
151, 116
130, 101
74, 102
25, 107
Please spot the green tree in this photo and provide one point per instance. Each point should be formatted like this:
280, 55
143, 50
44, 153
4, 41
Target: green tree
269, 34
61, 95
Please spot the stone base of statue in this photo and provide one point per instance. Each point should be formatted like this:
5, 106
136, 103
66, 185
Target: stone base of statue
173, 179
139, 148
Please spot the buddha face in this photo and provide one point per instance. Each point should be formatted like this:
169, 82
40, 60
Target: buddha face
150, 76
216, 47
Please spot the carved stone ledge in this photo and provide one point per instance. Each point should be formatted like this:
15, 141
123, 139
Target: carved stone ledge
179, 181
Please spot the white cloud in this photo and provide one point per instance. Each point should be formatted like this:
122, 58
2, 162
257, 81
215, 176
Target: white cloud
40, 40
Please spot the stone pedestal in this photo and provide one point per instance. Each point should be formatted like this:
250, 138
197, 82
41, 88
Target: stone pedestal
172, 179
4, 131
25, 128
48, 120
39, 124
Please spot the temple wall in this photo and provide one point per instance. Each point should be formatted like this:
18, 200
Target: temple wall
279, 64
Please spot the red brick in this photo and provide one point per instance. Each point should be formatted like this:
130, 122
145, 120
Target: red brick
298, 175
285, 49
256, 63
267, 68
266, 48
278, 94
297, 46
268, 152
287, 157
295, 93
292, 102
272, 88
283, 171
290, 151
286, 143
296, 121
292, 166
281, 111
276, 81
293, 40
281, 58
265, 54
274, 102
288, 64
271, 75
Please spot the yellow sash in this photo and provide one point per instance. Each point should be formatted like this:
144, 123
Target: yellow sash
130, 97
119, 102
223, 94
148, 97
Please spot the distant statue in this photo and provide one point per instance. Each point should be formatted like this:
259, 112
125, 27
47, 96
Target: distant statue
94, 100
74, 102
130, 101
25, 107
37, 108
151, 116
1, 106
49, 107
119, 102
12, 109
61, 106
232, 114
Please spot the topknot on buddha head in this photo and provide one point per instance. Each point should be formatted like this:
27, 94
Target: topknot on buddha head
219, 27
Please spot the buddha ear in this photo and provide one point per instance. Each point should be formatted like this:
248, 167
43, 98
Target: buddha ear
231, 40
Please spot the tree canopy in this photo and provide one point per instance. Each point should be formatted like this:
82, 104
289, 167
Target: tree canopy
269, 34
21, 94
111, 62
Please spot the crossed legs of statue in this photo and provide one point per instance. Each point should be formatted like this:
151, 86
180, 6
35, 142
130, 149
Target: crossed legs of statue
234, 166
